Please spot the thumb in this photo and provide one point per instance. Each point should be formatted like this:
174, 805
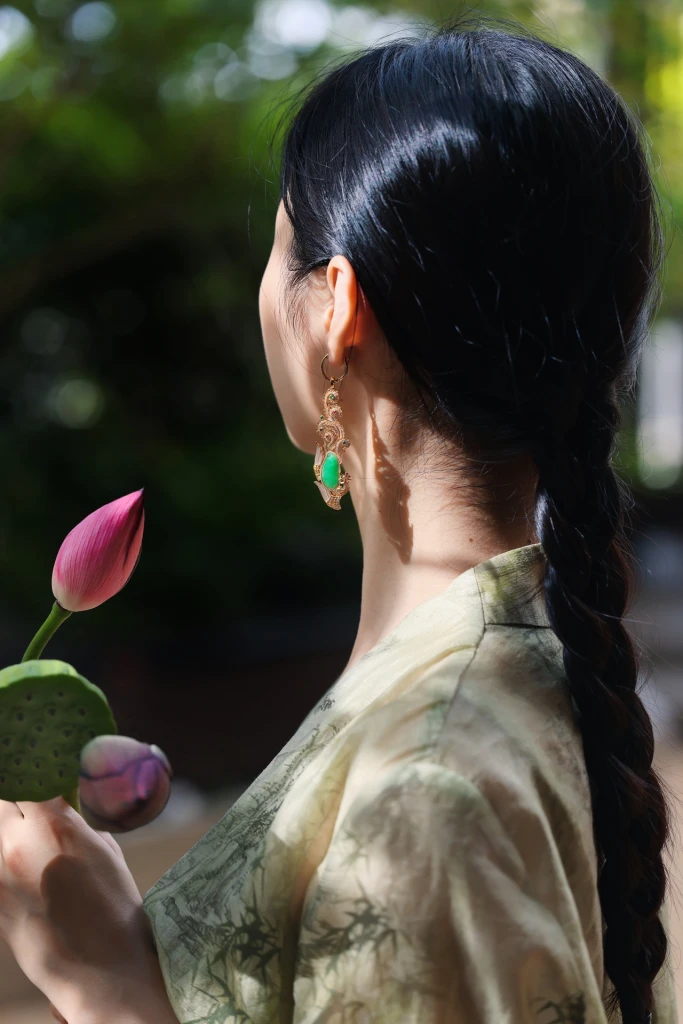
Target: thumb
57, 1015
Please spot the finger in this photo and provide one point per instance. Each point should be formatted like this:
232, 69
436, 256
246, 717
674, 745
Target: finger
110, 841
9, 811
57, 1015
40, 808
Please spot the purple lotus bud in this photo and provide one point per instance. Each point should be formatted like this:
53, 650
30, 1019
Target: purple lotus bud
123, 783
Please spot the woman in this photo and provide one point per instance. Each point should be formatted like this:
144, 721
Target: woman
467, 829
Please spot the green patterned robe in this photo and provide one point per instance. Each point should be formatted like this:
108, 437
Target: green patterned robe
420, 852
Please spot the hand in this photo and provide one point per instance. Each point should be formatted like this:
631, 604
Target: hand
70, 910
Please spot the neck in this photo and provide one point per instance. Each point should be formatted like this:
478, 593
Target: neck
421, 526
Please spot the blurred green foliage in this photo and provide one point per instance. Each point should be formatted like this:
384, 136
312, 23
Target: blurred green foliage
137, 216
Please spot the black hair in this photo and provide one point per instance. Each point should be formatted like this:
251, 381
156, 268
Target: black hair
492, 193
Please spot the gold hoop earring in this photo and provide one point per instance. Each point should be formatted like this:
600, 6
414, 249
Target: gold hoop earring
330, 478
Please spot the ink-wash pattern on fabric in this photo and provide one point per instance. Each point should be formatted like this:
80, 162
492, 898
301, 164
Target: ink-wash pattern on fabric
571, 1010
420, 852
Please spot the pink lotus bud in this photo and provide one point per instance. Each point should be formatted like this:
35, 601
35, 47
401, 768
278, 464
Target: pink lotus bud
122, 783
98, 557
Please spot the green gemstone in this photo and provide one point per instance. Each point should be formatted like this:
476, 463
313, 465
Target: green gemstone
329, 472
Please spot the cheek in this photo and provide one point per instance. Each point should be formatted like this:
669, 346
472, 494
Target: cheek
288, 365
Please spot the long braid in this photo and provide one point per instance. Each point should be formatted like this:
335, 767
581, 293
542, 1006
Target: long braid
580, 522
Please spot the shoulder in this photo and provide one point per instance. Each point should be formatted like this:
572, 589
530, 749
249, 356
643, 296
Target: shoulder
512, 730
421, 808
501, 689
490, 727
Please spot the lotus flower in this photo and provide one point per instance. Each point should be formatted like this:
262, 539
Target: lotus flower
123, 783
97, 557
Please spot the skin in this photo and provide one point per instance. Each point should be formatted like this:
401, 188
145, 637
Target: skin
414, 505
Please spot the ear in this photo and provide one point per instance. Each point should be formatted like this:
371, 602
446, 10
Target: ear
349, 321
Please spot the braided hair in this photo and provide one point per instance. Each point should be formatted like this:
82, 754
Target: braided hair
492, 194
580, 511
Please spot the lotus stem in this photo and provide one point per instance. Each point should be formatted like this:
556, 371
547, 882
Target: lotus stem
57, 616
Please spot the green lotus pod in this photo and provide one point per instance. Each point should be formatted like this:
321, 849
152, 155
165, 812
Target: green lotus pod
48, 712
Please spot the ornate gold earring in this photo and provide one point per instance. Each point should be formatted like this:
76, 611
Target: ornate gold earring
330, 478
